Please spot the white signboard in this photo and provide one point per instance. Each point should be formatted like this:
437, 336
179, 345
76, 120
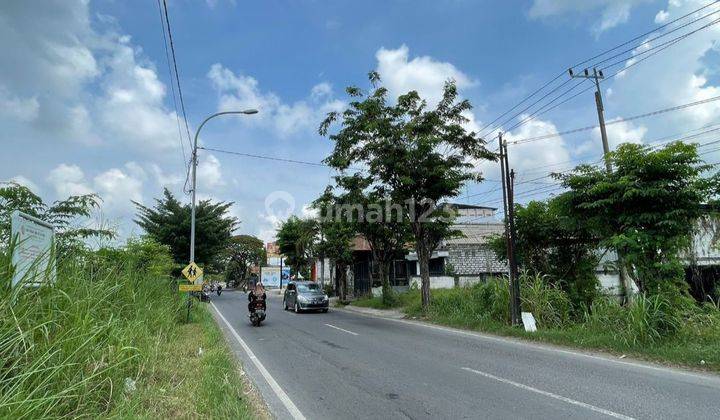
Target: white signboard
31, 256
528, 321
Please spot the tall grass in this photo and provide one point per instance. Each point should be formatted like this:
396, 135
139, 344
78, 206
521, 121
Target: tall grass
67, 349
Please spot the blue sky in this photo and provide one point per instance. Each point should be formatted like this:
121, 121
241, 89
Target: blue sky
86, 106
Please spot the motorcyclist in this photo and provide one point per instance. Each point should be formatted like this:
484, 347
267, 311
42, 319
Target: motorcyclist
254, 295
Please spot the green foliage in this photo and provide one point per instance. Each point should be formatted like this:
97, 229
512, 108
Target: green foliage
416, 156
549, 305
296, 238
242, 252
554, 246
67, 349
646, 208
169, 223
65, 215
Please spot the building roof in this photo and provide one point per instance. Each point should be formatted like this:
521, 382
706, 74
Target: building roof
476, 233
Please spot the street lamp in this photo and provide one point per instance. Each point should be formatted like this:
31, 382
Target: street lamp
194, 171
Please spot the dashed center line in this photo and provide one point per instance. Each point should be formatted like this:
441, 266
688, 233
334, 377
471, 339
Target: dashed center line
341, 329
551, 395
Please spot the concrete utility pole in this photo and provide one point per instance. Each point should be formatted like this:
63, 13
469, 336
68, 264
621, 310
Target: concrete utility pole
194, 173
507, 179
596, 76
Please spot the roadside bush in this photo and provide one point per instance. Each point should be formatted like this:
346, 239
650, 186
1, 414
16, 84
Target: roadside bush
549, 305
646, 319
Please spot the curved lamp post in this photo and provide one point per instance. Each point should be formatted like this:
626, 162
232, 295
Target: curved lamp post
194, 172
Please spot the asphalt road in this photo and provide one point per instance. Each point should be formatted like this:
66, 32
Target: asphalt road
343, 365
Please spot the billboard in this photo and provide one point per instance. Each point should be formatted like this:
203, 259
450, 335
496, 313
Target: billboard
270, 276
32, 253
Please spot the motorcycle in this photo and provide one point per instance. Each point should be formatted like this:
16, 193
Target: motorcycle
258, 315
218, 290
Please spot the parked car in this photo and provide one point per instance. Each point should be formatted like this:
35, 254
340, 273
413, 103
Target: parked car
305, 295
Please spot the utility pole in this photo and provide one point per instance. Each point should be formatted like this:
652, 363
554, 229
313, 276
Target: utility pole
596, 76
507, 180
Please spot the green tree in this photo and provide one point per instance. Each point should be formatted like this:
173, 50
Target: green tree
553, 246
65, 215
169, 223
646, 208
419, 156
242, 252
336, 236
369, 210
296, 238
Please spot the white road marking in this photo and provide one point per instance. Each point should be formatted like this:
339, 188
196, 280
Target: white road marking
287, 402
551, 395
338, 328
544, 347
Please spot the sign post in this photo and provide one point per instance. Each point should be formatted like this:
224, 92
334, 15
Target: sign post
32, 253
192, 273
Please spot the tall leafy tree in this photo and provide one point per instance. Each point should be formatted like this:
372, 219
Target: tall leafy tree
65, 215
646, 208
336, 236
242, 252
420, 156
168, 222
370, 212
296, 238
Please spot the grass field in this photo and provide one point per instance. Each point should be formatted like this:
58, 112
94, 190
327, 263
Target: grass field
109, 340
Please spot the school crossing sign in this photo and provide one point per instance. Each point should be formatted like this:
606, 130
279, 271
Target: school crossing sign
192, 272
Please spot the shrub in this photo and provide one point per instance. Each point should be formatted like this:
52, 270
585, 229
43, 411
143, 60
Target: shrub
549, 305
646, 319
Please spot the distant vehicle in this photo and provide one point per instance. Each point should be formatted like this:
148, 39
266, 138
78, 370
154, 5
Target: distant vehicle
305, 295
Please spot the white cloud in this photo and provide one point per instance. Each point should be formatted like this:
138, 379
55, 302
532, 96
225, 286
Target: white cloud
612, 12
117, 188
661, 16
427, 76
209, 174
21, 180
22, 109
239, 92
68, 180
617, 133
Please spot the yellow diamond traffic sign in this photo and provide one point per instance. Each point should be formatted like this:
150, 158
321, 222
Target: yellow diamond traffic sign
192, 272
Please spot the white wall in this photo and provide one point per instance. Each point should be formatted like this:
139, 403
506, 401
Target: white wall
436, 282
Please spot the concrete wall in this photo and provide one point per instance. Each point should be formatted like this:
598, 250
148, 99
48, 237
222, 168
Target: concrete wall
473, 260
436, 282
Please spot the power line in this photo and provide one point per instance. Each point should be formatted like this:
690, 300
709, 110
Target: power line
177, 80
172, 85
616, 121
492, 125
273, 158
665, 25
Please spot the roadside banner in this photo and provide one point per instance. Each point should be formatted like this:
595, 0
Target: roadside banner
270, 276
32, 255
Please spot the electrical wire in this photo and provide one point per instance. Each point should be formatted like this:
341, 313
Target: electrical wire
172, 85
180, 94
